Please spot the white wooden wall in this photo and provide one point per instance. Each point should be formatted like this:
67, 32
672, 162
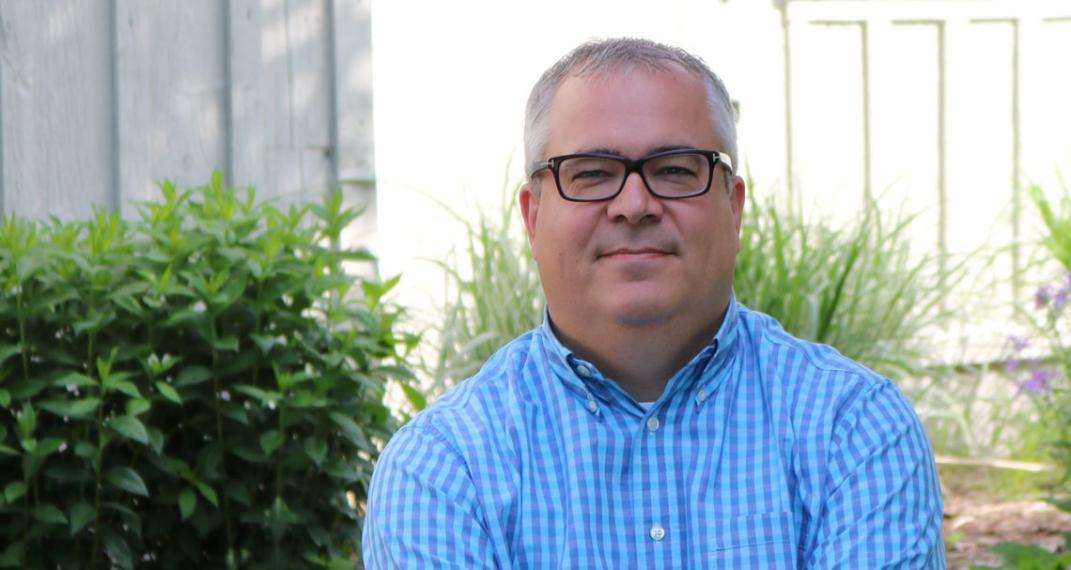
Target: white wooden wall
100, 100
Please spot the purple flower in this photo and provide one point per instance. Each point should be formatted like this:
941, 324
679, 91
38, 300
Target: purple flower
1060, 299
1040, 381
1043, 296
1018, 343
1013, 365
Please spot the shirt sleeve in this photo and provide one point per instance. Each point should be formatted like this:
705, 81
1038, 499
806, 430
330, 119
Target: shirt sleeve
423, 511
883, 507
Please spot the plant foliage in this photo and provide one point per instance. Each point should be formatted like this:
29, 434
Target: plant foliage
858, 288
202, 386
493, 295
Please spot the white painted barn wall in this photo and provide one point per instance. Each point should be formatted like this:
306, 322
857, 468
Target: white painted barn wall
101, 100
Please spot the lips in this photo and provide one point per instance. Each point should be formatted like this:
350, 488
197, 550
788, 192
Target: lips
633, 251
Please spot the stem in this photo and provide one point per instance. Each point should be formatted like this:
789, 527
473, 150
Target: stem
20, 309
219, 439
278, 480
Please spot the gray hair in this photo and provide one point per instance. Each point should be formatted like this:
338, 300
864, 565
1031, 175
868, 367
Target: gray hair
605, 55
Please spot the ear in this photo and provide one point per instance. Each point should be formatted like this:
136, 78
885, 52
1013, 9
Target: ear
737, 198
529, 201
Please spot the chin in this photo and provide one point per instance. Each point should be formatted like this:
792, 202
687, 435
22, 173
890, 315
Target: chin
642, 314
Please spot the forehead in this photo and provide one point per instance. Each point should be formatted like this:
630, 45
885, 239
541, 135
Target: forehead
630, 110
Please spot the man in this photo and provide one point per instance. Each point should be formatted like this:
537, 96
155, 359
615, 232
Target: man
651, 421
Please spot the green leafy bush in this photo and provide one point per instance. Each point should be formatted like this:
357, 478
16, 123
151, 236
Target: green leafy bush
200, 387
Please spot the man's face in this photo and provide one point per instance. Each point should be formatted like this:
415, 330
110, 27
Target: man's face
635, 260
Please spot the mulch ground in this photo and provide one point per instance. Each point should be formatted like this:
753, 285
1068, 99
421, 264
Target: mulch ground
976, 519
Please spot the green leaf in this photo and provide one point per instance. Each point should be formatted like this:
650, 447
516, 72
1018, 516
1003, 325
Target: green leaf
127, 479
351, 430
9, 350
316, 449
192, 375
5, 398
339, 564
75, 379
227, 343
264, 343
27, 420
14, 490
47, 446
130, 428
81, 513
12, 555
49, 514
137, 406
262, 395
156, 439
187, 501
168, 392
207, 492
84, 449
118, 550
415, 397
124, 386
271, 440
71, 408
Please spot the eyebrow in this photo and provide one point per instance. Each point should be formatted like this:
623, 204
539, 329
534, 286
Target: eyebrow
656, 150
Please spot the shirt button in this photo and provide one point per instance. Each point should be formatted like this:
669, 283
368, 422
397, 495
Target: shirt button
583, 371
653, 424
702, 395
592, 405
657, 532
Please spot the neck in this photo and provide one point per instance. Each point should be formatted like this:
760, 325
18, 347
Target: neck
640, 359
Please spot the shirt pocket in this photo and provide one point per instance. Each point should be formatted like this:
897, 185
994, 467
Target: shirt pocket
764, 540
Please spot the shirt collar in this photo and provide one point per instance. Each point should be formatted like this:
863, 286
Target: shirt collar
584, 379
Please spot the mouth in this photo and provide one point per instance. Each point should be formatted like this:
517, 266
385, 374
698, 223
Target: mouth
635, 253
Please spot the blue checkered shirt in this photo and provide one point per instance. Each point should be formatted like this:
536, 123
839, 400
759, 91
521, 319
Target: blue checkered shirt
763, 452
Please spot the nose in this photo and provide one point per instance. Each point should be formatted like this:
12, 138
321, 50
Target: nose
635, 204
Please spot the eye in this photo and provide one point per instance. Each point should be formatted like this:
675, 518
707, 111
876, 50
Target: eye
590, 174
674, 170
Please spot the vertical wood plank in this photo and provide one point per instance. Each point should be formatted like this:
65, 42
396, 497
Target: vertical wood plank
786, 44
188, 91
130, 104
353, 156
17, 134
245, 133
866, 59
75, 143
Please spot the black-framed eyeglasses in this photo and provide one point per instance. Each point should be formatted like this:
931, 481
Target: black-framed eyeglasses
591, 177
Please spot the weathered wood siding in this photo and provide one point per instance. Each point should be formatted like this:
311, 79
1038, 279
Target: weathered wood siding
101, 100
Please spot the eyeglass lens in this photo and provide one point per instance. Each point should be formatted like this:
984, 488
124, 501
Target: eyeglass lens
595, 178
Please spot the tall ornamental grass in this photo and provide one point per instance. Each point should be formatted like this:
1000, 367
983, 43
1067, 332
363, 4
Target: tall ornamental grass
492, 294
858, 288
200, 388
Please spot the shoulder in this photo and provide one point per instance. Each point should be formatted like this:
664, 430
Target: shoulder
808, 376
474, 415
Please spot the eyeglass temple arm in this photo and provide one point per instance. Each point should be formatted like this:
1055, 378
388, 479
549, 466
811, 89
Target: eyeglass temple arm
537, 166
726, 162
